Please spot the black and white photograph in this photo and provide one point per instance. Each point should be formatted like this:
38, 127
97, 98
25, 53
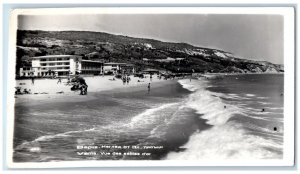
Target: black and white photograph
100, 85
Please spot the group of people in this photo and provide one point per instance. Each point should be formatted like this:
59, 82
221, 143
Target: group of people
126, 79
79, 84
19, 91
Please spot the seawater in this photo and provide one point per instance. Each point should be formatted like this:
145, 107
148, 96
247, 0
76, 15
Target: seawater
52, 131
246, 114
193, 119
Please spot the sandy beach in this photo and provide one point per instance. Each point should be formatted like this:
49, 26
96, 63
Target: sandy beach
49, 90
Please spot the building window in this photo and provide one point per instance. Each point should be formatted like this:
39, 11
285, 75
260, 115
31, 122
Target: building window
59, 58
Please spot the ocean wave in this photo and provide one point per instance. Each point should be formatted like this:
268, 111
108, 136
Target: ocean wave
250, 95
262, 97
274, 108
151, 115
264, 103
267, 130
151, 120
227, 139
33, 145
212, 108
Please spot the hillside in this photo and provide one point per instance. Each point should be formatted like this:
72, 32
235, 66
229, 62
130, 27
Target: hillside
143, 53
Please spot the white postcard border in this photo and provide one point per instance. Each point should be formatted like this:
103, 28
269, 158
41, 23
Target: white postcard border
289, 80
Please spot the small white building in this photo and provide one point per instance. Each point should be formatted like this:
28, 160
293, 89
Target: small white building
26, 71
61, 65
112, 67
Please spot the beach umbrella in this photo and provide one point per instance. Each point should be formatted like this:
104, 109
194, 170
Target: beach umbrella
80, 79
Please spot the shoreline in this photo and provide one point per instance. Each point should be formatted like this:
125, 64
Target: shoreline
231, 74
131, 110
213, 76
36, 99
131, 116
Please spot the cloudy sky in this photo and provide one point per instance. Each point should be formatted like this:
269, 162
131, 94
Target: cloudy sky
257, 37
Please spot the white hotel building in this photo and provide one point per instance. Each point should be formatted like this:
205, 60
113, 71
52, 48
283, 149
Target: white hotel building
62, 65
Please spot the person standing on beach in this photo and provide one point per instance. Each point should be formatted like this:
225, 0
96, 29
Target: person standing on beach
59, 80
69, 81
149, 88
32, 80
124, 80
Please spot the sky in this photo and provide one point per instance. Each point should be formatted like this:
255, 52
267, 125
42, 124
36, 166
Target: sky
256, 37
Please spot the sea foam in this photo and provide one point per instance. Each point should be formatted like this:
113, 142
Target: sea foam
208, 104
227, 139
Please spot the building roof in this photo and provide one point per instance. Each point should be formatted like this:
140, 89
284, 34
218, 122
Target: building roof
53, 56
127, 64
113, 63
91, 61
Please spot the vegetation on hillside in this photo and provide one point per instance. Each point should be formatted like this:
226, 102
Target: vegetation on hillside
143, 53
